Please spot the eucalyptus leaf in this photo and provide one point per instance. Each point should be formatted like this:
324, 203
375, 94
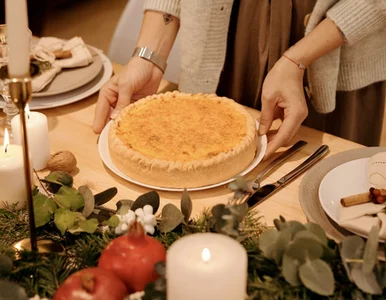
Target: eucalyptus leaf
79, 216
186, 205
281, 244
123, 206
267, 242
64, 219
352, 247
303, 249
105, 196
380, 273
113, 221
89, 201
69, 198
219, 210
305, 234
151, 198
294, 226
56, 179
370, 257
44, 208
171, 218
239, 211
11, 291
317, 276
89, 226
160, 268
367, 282
238, 184
318, 232
279, 225
35, 191
6, 264
290, 270
100, 215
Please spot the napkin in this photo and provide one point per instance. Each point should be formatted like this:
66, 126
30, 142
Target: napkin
44, 52
361, 218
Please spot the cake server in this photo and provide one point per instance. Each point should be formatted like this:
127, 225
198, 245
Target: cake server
268, 190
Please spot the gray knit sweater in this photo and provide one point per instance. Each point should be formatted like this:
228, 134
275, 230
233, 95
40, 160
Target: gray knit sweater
360, 62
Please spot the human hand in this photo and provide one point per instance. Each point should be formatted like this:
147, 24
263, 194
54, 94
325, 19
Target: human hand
282, 97
139, 79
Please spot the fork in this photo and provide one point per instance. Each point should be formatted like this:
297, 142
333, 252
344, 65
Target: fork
255, 183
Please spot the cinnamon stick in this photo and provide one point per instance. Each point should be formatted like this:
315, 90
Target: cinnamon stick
60, 54
356, 199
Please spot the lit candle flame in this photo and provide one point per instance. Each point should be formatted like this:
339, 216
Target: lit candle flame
6, 140
27, 111
205, 255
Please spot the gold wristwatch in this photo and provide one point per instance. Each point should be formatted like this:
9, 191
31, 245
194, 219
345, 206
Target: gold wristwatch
152, 56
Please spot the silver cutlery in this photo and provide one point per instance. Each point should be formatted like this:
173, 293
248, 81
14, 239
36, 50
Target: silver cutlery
267, 190
264, 192
255, 183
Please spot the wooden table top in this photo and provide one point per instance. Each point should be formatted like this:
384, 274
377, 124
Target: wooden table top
70, 129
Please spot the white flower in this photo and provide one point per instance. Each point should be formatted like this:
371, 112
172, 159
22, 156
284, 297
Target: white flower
136, 296
129, 217
148, 209
124, 222
105, 228
146, 218
142, 215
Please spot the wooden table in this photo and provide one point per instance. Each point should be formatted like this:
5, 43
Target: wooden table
70, 129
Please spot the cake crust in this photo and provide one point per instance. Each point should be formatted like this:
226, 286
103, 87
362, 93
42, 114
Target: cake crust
182, 140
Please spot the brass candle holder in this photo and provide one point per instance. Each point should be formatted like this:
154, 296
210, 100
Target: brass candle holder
20, 91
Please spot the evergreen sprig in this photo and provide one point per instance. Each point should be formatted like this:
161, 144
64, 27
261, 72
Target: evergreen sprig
43, 274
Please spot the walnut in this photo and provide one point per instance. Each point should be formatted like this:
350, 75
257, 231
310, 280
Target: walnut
62, 161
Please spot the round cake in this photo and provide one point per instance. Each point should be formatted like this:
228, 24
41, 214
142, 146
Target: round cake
182, 140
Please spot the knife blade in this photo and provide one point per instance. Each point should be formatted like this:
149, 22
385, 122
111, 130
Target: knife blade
269, 189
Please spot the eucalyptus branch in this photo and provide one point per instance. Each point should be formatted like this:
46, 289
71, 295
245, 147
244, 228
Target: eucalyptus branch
41, 184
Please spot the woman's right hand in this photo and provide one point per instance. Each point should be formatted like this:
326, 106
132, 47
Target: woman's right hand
139, 79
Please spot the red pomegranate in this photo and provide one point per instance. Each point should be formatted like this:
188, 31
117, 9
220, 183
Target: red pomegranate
92, 284
132, 258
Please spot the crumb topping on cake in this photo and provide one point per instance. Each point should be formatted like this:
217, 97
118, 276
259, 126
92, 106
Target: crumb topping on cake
182, 128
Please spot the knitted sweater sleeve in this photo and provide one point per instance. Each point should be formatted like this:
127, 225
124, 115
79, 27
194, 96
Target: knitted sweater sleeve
172, 7
358, 18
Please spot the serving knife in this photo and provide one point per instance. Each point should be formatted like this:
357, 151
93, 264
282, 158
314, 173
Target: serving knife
268, 190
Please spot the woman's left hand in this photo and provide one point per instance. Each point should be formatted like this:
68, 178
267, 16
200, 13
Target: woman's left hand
282, 97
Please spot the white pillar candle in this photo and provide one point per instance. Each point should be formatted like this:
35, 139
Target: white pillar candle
12, 180
18, 37
37, 132
206, 266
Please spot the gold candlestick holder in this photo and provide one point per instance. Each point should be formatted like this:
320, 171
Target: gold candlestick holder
20, 91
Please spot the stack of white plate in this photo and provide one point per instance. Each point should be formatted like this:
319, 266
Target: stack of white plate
72, 85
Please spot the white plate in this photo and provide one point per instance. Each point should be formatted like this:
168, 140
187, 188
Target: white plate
104, 153
345, 180
77, 94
